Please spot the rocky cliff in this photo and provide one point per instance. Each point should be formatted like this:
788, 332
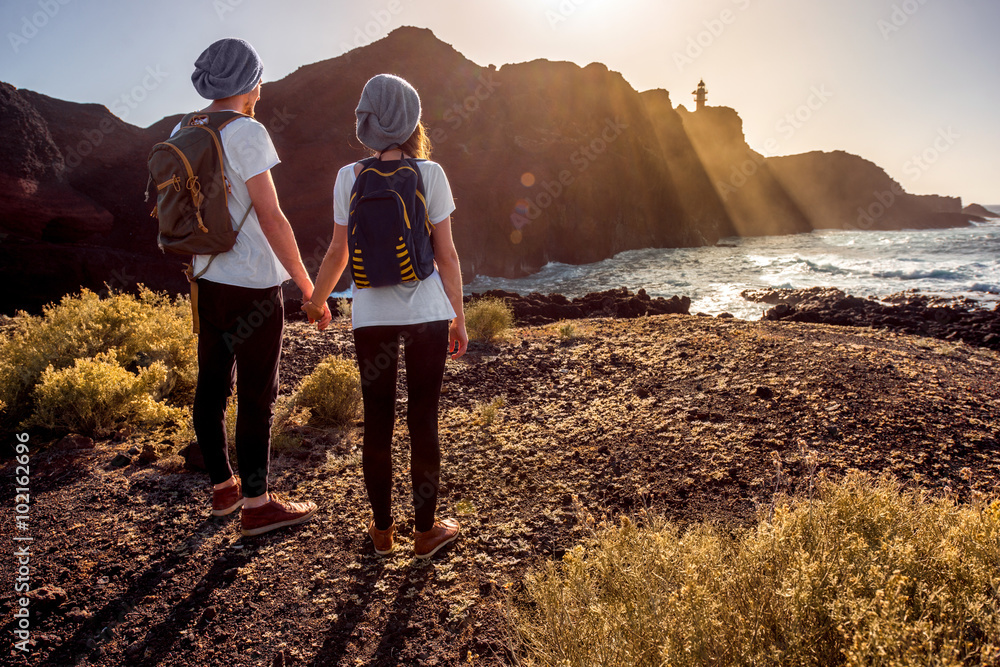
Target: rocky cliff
841, 190
548, 162
756, 201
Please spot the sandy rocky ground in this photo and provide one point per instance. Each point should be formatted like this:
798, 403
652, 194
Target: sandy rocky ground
698, 418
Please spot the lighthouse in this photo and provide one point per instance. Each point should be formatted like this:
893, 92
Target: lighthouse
700, 95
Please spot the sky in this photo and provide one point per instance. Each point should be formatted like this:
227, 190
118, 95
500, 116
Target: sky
911, 85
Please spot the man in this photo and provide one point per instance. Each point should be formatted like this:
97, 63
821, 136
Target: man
240, 304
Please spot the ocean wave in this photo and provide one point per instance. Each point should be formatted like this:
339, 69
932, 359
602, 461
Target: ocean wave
825, 268
916, 274
986, 288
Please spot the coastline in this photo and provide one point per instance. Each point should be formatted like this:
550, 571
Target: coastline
689, 416
955, 262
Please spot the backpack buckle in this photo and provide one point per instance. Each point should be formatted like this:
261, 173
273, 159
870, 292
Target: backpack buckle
200, 119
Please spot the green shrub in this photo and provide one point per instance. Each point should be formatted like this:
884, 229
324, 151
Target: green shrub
864, 574
141, 331
487, 413
344, 308
283, 437
331, 393
567, 331
488, 318
96, 395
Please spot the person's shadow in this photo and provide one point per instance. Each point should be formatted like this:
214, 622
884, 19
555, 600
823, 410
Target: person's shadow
116, 611
350, 613
418, 575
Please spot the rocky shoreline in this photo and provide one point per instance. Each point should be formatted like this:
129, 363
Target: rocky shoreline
910, 312
953, 319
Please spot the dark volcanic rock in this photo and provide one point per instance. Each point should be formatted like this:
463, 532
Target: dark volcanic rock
907, 312
193, 458
979, 211
36, 200
538, 308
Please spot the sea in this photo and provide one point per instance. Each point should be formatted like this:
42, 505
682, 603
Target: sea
958, 262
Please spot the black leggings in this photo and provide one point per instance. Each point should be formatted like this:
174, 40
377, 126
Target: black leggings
426, 347
241, 330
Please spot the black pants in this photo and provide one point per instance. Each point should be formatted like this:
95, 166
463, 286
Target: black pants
426, 347
239, 344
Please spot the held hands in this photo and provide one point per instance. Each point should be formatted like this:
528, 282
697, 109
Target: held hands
320, 316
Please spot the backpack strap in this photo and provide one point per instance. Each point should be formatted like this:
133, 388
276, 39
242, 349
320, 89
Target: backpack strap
192, 278
216, 119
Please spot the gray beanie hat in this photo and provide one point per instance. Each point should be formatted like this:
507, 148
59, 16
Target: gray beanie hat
228, 67
388, 112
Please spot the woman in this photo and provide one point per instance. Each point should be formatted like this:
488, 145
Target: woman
426, 315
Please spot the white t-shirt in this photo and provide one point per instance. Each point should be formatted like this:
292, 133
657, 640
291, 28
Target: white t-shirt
411, 302
251, 262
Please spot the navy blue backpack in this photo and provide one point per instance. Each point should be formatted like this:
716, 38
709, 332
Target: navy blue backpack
389, 234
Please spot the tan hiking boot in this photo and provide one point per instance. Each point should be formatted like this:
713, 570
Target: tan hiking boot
428, 543
382, 539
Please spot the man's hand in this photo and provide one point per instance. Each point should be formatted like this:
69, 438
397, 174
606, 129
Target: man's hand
320, 316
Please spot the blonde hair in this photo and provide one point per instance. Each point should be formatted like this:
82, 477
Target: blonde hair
417, 146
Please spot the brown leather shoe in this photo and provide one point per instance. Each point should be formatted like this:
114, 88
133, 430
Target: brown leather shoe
428, 543
382, 538
276, 513
227, 501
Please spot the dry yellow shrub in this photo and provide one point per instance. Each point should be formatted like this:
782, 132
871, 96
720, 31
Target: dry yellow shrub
865, 573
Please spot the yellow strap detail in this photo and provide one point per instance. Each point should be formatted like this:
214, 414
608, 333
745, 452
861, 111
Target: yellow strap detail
201, 223
382, 173
175, 181
406, 216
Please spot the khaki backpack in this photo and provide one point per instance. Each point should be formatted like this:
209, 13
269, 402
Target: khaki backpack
192, 193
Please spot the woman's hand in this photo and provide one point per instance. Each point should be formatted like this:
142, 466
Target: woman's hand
458, 339
321, 316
